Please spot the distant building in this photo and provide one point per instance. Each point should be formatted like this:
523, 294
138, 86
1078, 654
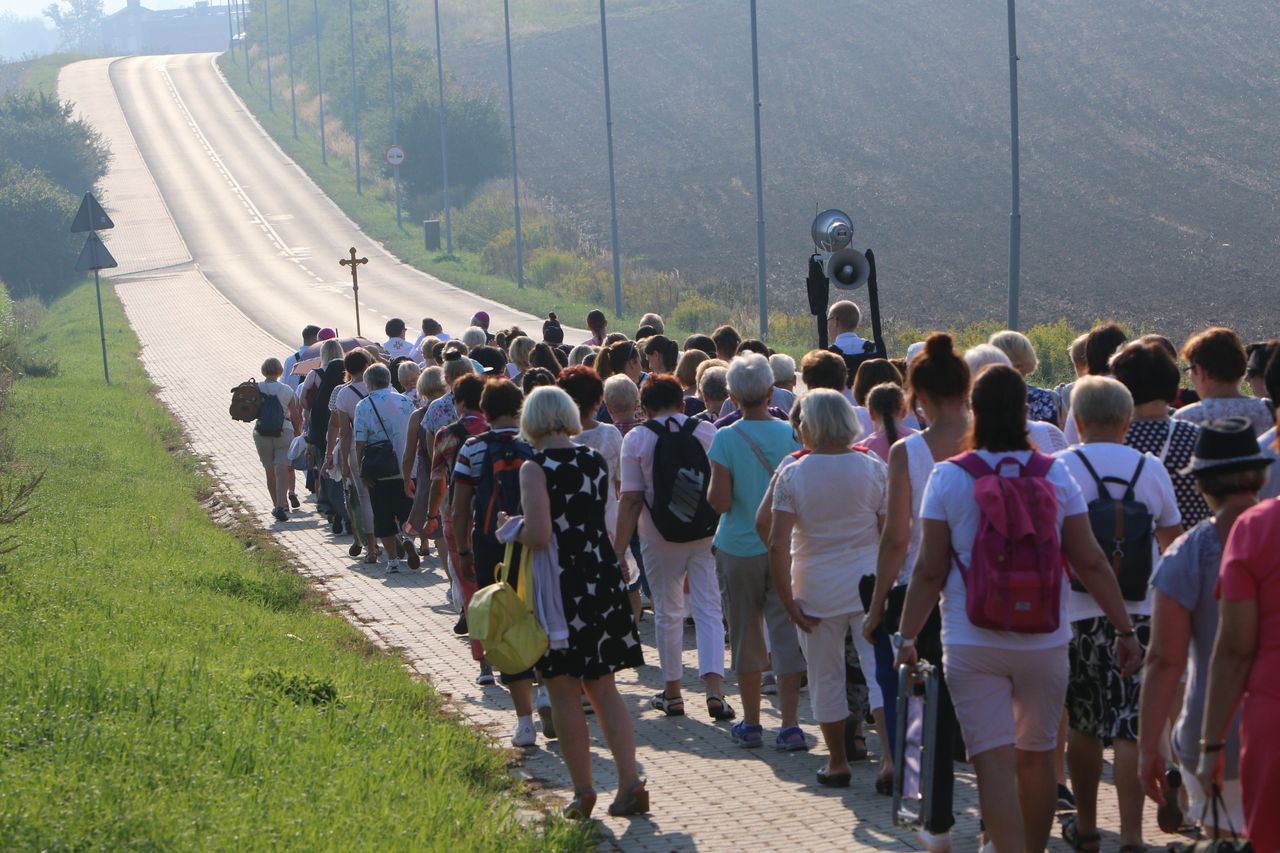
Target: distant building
136, 29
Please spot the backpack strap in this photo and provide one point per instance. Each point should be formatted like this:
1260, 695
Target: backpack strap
1137, 472
1102, 486
972, 464
1039, 464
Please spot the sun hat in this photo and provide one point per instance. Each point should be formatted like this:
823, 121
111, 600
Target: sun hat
325, 334
1224, 445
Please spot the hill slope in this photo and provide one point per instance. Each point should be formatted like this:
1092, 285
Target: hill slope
1149, 136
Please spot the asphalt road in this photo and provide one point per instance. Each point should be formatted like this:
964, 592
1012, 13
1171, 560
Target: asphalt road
251, 220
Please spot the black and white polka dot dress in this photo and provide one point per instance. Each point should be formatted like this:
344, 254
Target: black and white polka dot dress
1150, 437
602, 630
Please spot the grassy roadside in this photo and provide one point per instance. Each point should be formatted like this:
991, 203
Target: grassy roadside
42, 76
168, 684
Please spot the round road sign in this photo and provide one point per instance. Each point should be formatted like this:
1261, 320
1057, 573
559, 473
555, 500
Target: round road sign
395, 156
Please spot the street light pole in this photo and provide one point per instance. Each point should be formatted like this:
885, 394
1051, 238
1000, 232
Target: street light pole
355, 96
515, 171
231, 30
760, 267
324, 149
244, 39
293, 94
613, 187
395, 133
1015, 210
444, 138
266, 22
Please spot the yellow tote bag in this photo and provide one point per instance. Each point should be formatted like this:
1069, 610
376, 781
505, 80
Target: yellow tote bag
502, 620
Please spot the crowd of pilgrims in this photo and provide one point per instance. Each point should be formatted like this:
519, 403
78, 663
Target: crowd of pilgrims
830, 522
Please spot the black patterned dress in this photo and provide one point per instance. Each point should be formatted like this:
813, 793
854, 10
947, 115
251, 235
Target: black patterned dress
602, 631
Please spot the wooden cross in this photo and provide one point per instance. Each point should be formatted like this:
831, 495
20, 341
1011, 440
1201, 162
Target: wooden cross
354, 263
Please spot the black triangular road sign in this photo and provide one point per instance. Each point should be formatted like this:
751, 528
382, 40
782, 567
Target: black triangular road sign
94, 256
91, 216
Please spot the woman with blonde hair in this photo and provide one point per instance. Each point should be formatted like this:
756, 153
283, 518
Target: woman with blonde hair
563, 493
1042, 404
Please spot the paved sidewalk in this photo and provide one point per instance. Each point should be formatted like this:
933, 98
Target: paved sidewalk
706, 793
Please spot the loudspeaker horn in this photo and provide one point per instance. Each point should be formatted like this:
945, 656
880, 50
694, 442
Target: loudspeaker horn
848, 269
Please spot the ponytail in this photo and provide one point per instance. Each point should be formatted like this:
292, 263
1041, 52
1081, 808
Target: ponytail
886, 401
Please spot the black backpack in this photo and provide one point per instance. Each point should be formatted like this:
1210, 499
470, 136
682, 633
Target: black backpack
331, 377
1123, 527
681, 475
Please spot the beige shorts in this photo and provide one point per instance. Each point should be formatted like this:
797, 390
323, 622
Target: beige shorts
1007, 697
273, 449
753, 607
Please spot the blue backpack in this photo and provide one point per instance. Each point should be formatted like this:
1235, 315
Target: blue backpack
499, 485
270, 416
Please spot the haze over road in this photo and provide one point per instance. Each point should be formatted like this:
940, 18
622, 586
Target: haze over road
246, 215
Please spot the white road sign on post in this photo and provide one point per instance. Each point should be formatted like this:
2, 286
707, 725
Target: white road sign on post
395, 156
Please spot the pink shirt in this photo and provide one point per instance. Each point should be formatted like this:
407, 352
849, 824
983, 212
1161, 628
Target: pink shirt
638, 446
878, 442
1251, 572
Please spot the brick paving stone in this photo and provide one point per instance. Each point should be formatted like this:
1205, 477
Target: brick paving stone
707, 794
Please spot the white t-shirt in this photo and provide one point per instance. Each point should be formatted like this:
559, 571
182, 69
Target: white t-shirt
399, 347
285, 395
839, 501
345, 400
637, 465
1154, 489
1046, 437
949, 497
606, 440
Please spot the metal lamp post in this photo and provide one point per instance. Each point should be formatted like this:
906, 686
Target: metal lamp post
355, 96
444, 138
266, 41
613, 187
760, 267
244, 40
293, 92
1015, 210
395, 133
515, 171
324, 149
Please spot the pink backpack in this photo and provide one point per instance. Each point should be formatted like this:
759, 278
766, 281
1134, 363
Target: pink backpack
1014, 578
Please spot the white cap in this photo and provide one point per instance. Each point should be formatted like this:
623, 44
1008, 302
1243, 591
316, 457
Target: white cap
914, 350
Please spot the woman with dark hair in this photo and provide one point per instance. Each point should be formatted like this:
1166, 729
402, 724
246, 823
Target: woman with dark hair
1008, 687
886, 406
668, 563
872, 372
1217, 364
1145, 368
1100, 344
536, 377
700, 342
661, 354
939, 381
598, 323
545, 357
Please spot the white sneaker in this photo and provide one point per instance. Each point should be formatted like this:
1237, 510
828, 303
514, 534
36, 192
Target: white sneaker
935, 843
525, 735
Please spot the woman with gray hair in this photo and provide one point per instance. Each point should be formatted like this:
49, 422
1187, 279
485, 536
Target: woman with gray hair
474, 336
828, 509
743, 457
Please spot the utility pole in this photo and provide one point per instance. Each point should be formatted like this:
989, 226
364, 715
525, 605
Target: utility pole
324, 149
613, 186
293, 94
1015, 210
355, 96
266, 22
760, 267
231, 30
444, 138
515, 171
395, 132
244, 39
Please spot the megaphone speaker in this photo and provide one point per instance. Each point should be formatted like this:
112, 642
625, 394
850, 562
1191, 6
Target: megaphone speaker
848, 269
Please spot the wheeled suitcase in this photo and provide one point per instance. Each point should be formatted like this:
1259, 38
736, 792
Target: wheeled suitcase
915, 744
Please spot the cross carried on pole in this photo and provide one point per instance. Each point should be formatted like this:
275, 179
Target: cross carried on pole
354, 263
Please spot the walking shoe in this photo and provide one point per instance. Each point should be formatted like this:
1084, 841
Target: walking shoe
485, 677
769, 684
293, 500
393, 567
525, 734
746, 735
940, 843
279, 514
410, 554
460, 627
448, 598
1066, 801
355, 549
791, 739
543, 703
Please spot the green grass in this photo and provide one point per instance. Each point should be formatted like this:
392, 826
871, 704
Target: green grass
169, 684
42, 76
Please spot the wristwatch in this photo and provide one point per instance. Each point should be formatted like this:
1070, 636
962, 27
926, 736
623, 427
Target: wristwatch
901, 642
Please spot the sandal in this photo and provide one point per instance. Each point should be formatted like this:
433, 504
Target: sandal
723, 712
884, 785
580, 808
856, 750
635, 801
1077, 841
834, 780
672, 707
